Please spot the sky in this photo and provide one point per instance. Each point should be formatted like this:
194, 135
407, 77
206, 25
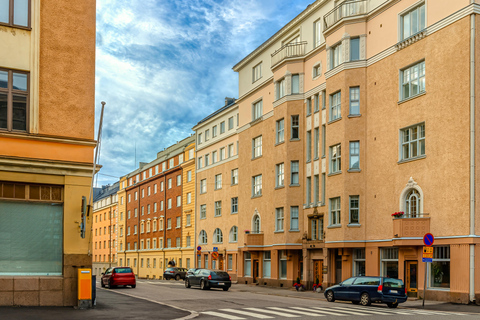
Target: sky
164, 65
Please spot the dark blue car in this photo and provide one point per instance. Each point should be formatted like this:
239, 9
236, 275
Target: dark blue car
365, 290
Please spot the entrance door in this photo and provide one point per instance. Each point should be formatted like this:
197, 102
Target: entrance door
255, 270
338, 267
411, 278
317, 271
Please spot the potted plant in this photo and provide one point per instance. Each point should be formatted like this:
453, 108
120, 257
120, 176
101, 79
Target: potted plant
317, 287
298, 286
247, 231
398, 214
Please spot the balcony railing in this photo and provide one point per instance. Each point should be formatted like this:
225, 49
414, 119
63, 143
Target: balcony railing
254, 239
289, 50
411, 226
344, 10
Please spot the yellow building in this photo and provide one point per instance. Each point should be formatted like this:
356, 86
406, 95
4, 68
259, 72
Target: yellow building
352, 112
122, 207
47, 90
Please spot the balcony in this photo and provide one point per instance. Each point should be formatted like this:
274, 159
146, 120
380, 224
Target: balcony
345, 10
289, 50
254, 239
411, 226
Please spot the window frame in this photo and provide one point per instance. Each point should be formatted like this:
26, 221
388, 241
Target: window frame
409, 12
280, 131
10, 92
420, 79
295, 127
280, 175
354, 151
234, 205
335, 211
352, 209
257, 72
11, 16
355, 101
335, 110
420, 127
257, 110
257, 186
257, 147
279, 219
335, 163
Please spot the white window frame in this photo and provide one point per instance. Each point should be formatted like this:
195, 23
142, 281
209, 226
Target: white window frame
412, 77
218, 181
334, 210
257, 147
234, 176
257, 186
203, 211
218, 208
354, 208
335, 158
335, 106
417, 12
408, 143
354, 155
279, 219
257, 110
280, 175
280, 131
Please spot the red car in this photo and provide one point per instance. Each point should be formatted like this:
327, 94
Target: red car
118, 276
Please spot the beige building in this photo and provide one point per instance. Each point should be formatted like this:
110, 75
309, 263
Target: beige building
353, 111
217, 200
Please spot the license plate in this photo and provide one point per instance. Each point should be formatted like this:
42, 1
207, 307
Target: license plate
394, 291
221, 283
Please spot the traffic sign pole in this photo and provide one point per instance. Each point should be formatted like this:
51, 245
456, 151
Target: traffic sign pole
428, 240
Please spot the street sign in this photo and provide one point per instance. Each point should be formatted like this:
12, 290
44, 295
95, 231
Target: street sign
428, 239
428, 252
199, 248
199, 253
215, 249
427, 260
214, 255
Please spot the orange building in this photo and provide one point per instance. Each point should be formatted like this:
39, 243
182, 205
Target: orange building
47, 91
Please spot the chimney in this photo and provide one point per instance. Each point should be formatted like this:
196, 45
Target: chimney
229, 101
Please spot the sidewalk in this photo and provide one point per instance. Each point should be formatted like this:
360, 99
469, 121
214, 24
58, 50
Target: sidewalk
415, 304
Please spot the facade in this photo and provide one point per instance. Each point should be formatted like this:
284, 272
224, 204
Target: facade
104, 229
217, 198
342, 121
47, 90
155, 214
122, 209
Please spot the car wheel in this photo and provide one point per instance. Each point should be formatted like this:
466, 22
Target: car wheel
225, 288
187, 284
133, 286
330, 296
102, 284
392, 305
365, 299
355, 302
203, 285
177, 277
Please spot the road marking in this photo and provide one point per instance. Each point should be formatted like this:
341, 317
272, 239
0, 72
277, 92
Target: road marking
221, 315
246, 313
340, 309
383, 311
321, 311
310, 314
286, 315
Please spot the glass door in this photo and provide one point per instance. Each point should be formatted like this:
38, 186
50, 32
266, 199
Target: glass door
411, 278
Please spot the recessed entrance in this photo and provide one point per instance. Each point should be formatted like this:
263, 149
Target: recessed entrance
411, 278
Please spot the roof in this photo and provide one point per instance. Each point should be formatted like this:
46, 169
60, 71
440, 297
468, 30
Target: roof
216, 112
107, 191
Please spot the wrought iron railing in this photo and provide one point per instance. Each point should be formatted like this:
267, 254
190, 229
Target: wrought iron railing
413, 215
344, 10
289, 50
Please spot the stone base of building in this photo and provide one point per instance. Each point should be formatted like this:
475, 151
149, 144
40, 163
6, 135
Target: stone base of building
45, 291
267, 282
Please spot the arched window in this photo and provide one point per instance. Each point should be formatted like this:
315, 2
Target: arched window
217, 236
412, 204
142, 227
256, 226
202, 238
148, 226
234, 234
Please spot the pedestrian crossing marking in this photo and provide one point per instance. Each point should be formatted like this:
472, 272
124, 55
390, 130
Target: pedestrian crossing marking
356, 313
286, 315
221, 315
246, 313
310, 314
321, 311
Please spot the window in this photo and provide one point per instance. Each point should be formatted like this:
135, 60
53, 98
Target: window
294, 172
389, 262
164, 166
169, 223
354, 49
207, 134
358, 262
257, 110
440, 268
412, 22
412, 80
189, 220
206, 261
230, 150
280, 89
257, 147
308, 191
148, 209
234, 205
282, 264
200, 138
279, 128
257, 72
179, 222
256, 224
214, 131
229, 262
214, 156
355, 155
179, 180
247, 265
295, 127
169, 243
203, 211
222, 154
413, 142
154, 225
15, 13
171, 163
412, 204
189, 175
316, 188
203, 186
230, 123
309, 107
316, 230
234, 176
295, 84
161, 205
169, 183
218, 181
294, 218
207, 160
335, 159
218, 208
316, 103
189, 197
317, 32
189, 244
257, 186
355, 100
169, 203
14, 96
335, 106
217, 236
180, 158
279, 172
222, 127
309, 146
336, 56
354, 210
279, 219
155, 188
161, 186
317, 70
335, 216
179, 201
316, 138
190, 154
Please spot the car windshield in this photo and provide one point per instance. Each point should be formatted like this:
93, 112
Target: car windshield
220, 273
123, 270
392, 283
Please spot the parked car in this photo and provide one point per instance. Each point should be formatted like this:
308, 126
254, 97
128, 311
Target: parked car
118, 276
191, 271
365, 290
206, 279
174, 273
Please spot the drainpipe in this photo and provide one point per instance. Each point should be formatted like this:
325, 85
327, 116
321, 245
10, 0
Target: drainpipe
472, 154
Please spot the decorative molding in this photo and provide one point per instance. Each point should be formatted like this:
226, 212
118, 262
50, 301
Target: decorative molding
345, 66
291, 97
411, 40
315, 90
35, 166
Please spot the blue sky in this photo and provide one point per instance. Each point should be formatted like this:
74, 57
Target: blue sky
163, 65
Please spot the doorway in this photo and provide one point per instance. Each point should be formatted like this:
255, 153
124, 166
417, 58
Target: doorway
317, 271
411, 278
255, 270
338, 266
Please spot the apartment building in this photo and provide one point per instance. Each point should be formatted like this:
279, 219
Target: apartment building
47, 91
104, 229
343, 122
154, 212
217, 177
